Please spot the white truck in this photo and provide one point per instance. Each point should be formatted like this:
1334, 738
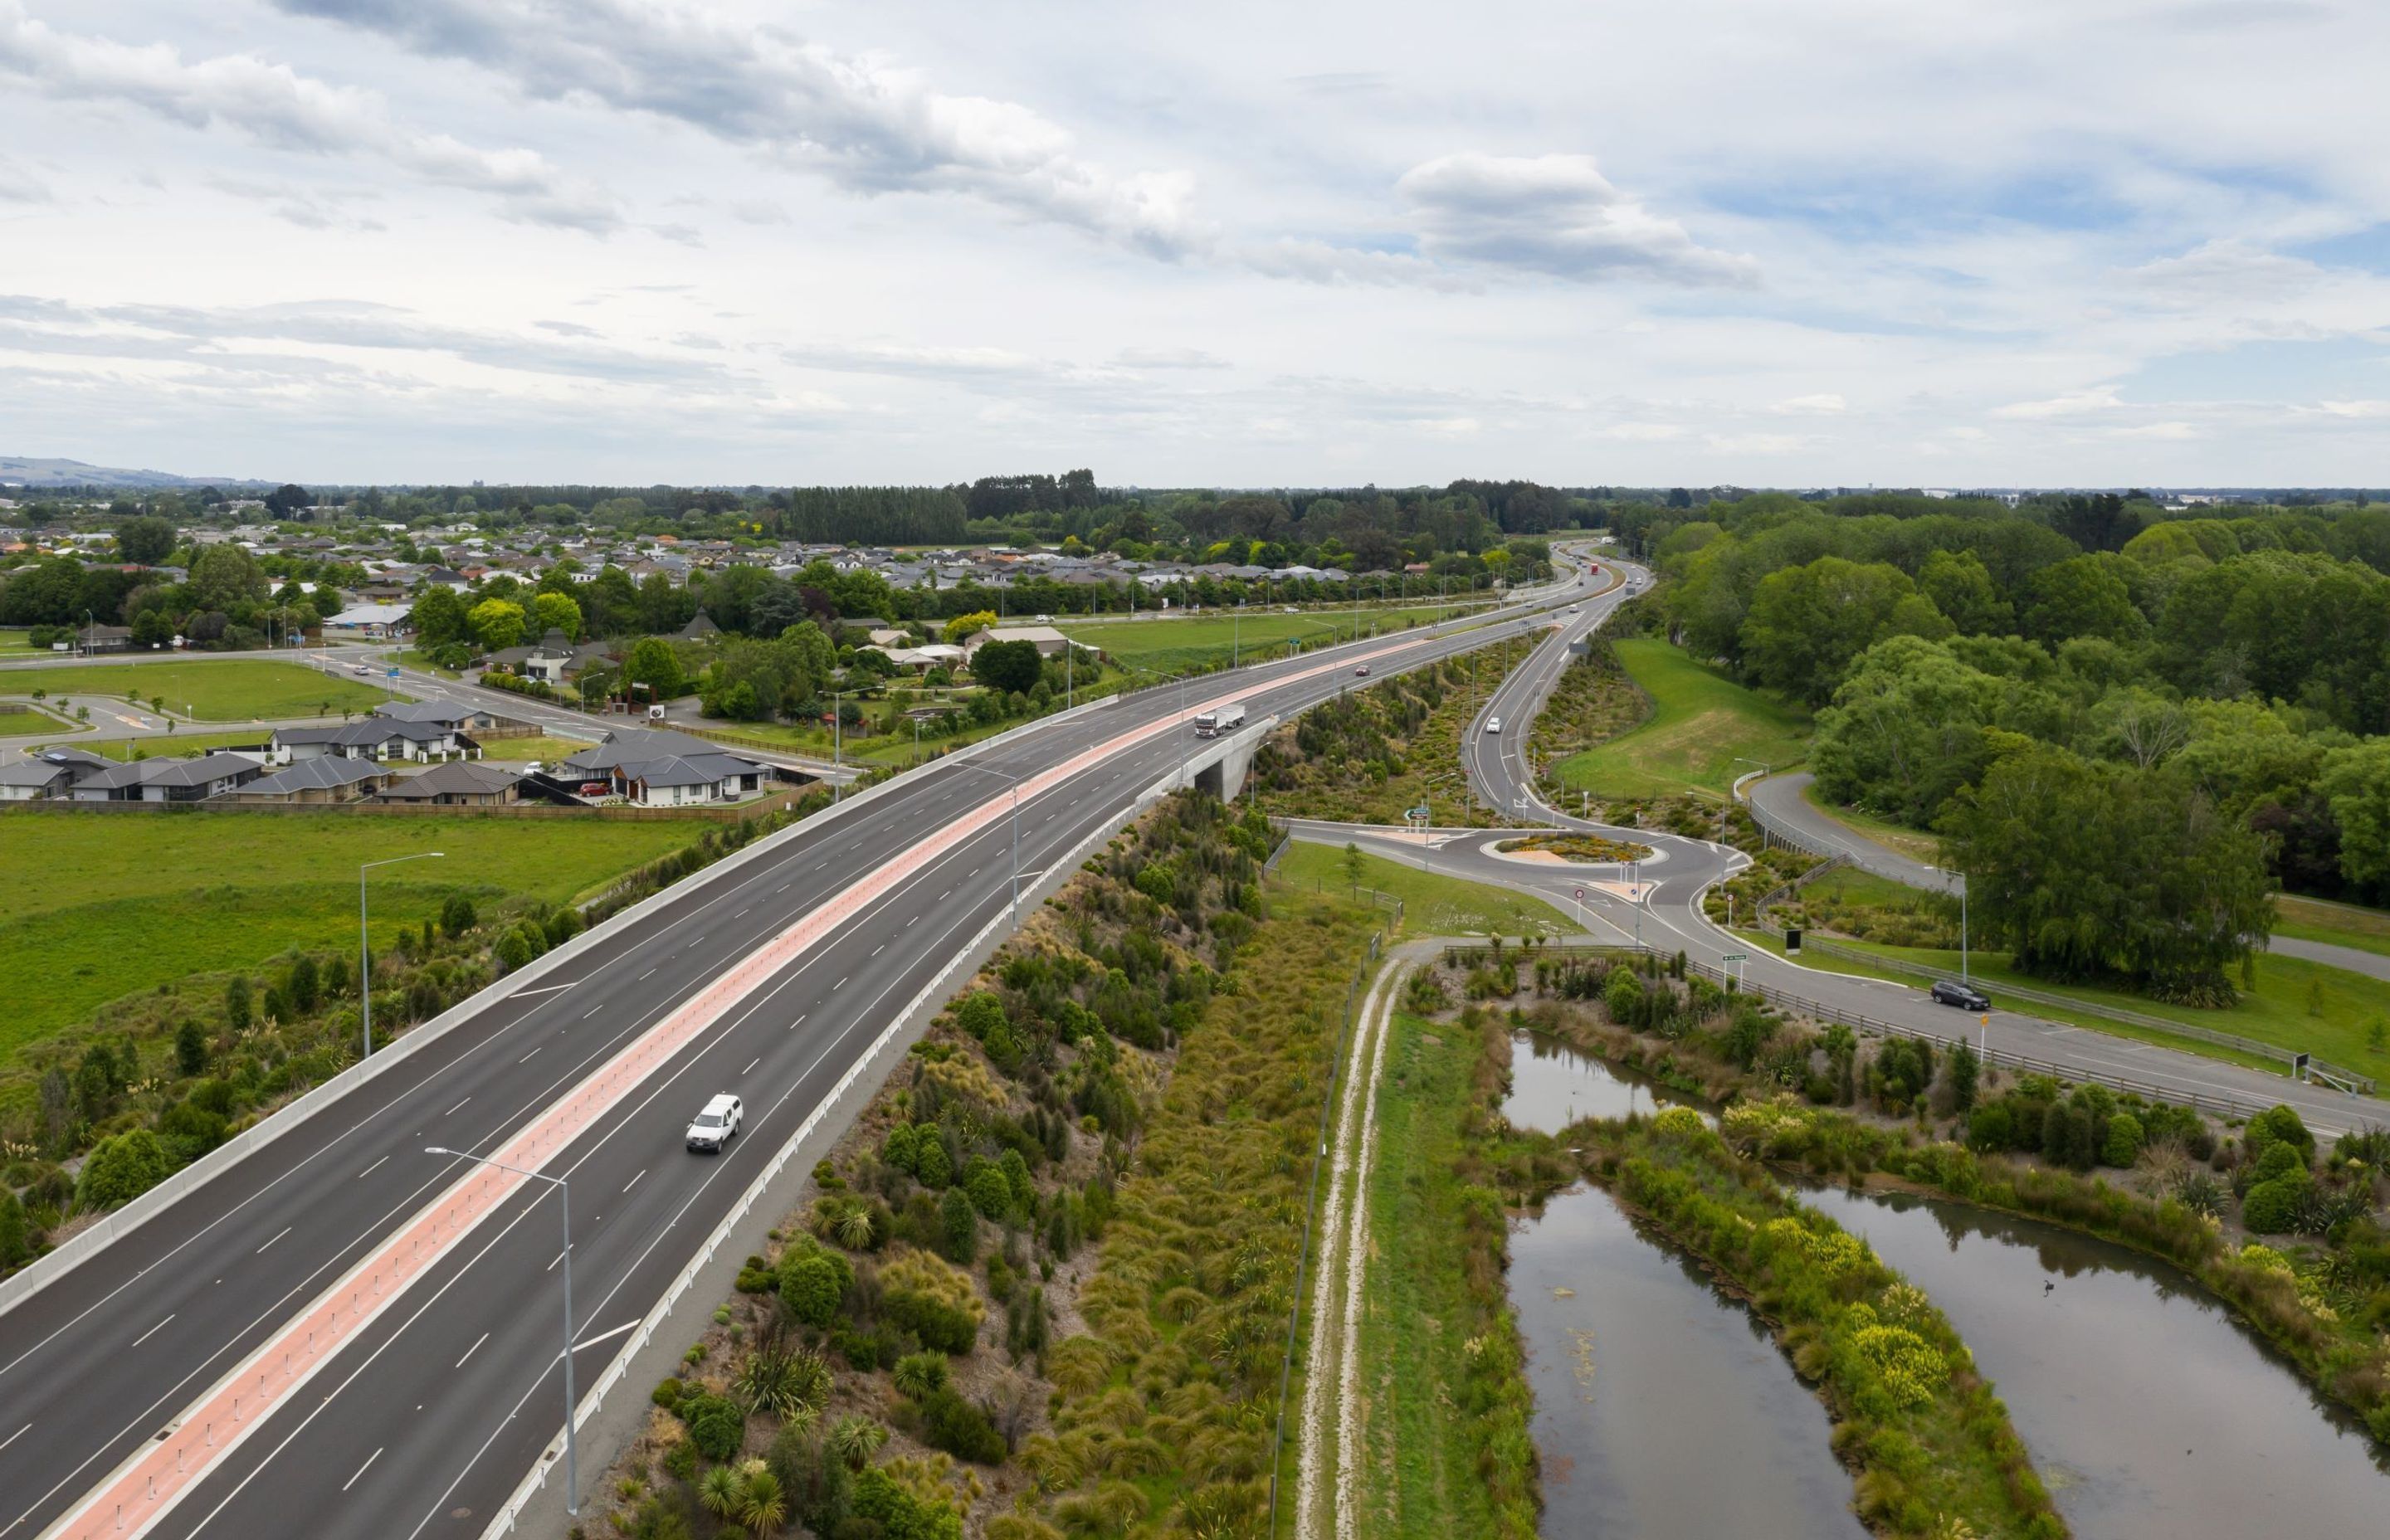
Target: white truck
1227, 718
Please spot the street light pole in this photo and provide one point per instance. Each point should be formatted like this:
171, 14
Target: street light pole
564, 1197
364, 945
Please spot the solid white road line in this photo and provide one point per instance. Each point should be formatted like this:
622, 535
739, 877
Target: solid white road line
474, 1349
371, 1169
634, 1181
261, 1250
151, 1332
361, 1469
452, 1110
526, 1059
750, 1068
544, 989
15, 1436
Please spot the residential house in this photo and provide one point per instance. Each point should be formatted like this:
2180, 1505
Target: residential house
323, 779
168, 780
373, 737
460, 783
1050, 642
551, 659
656, 767
50, 774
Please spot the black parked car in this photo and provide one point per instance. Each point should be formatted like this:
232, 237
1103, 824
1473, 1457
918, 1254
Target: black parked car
1950, 992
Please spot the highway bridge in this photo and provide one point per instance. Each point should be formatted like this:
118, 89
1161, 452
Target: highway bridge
337, 1335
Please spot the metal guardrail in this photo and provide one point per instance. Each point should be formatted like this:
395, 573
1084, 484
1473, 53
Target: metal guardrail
2250, 1046
2225, 1105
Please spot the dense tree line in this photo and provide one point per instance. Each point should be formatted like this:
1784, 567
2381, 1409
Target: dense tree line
2125, 724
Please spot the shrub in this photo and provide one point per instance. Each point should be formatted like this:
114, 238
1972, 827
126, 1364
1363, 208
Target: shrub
920, 1375
666, 1393
457, 916
2277, 1125
934, 1302
931, 1164
123, 1169
2124, 1144
990, 1193
2271, 1207
899, 1514
716, 1426
950, 1423
813, 1284
957, 1225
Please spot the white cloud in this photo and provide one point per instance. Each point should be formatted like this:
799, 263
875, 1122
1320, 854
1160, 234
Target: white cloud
869, 125
2174, 432
276, 105
1642, 432
1824, 404
2075, 404
1753, 443
1553, 215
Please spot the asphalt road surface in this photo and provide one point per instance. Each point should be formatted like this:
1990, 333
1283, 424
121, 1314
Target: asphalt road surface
422, 1421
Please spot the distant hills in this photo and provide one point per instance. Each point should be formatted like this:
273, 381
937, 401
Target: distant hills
34, 473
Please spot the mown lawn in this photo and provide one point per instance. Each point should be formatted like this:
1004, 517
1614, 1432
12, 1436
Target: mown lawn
1703, 726
102, 905
1419, 1480
1170, 646
236, 689
1433, 905
538, 745
165, 745
2341, 924
12, 641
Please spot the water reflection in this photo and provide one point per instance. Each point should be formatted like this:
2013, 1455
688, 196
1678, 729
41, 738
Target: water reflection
1663, 1408
2150, 1410
1553, 1086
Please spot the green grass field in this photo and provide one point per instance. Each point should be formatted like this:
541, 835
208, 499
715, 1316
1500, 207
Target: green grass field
518, 750
1432, 904
1418, 1460
13, 643
1169, 646
2275, 1012
165, 745
131, 902
22, 721
1701, 725
239, 689
2341, 924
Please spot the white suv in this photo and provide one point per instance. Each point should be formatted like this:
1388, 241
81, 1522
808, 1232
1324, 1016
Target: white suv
715, 1126
1493, 724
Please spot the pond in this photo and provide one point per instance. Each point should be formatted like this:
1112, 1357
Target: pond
2149, 1409
1663, 1407
1553, 1086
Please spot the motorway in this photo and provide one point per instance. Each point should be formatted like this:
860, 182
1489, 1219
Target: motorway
1665, 911
344, 1336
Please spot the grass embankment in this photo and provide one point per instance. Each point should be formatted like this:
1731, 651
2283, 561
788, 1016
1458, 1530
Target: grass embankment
239, 689
1442, 1440
1930, 1440
1432, 904
21, 720
112, 904
1374, 752
1208, 641
1703, 725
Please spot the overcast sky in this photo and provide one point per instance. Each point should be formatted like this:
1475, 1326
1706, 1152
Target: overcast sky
1839, 242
